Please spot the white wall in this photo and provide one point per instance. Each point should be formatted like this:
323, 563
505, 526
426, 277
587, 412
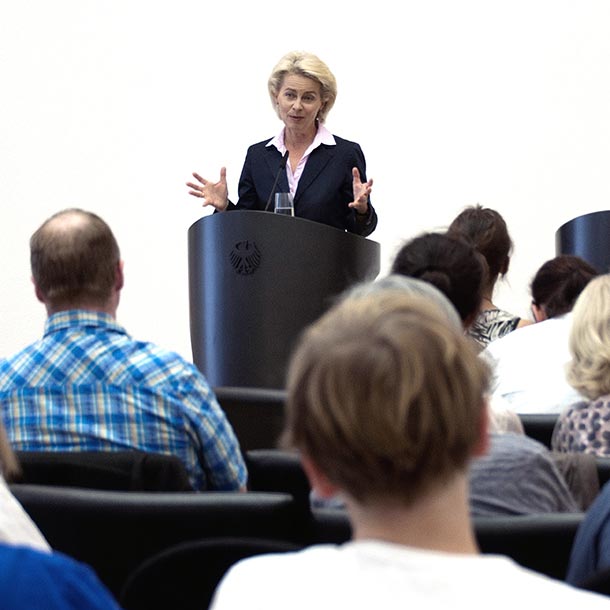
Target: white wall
109, 105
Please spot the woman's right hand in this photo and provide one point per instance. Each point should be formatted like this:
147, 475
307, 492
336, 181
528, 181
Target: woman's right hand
213, 193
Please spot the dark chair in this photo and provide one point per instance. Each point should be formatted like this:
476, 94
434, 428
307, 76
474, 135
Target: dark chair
603, 470
539, 426
256, 414
111, 470
184, 577
538, 542
115, 531
277, 470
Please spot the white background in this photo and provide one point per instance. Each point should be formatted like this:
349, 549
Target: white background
109, 105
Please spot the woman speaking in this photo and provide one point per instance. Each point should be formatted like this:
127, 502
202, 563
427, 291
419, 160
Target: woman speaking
325, 174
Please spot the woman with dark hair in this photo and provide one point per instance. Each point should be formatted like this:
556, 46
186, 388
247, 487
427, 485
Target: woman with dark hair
529, 364
487, 231
450, 264
558, 284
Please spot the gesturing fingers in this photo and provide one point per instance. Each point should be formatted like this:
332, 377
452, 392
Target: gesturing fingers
197, 189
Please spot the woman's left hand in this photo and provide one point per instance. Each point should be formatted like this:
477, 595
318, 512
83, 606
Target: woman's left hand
362, 190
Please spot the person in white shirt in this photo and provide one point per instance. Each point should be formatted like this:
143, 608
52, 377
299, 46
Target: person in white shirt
529, 363
386, 406
16, 527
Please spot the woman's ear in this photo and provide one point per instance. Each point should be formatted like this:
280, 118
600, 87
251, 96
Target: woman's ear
538, 312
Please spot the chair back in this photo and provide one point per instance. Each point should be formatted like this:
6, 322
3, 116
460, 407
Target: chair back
539, 542
602, 465
184, 577
277, 470
115, 531
256, 414
539, 426
111, 470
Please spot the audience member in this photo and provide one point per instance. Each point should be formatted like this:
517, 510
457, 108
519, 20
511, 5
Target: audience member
529, 363
449, 264
487, 230
517, 476
585, 426
453, 266
408, 285
386, 406
16, 527
86, 385
50, 581
591, 549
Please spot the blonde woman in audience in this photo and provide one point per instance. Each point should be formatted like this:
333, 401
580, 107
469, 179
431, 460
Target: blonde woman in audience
585, 426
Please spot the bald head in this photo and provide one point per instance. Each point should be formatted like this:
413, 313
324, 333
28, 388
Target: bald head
75, 262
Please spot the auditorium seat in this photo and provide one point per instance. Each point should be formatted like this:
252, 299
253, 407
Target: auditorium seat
277, 470
111, 470
603, 470
115, 531
256, 414
538, 542
539, 426
185, 576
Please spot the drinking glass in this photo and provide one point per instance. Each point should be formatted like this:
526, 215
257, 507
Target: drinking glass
284, 204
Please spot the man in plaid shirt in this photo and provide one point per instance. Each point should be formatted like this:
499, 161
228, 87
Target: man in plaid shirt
88, 386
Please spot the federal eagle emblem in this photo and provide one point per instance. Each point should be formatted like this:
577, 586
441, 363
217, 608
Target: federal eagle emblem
245, 257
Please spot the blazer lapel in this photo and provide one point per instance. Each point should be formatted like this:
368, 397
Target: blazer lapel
273, 159
318, 160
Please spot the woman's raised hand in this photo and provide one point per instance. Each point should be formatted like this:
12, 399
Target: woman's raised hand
362, 190
212, 193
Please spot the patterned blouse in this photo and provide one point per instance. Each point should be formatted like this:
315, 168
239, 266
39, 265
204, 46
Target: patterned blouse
584, 428
492, 324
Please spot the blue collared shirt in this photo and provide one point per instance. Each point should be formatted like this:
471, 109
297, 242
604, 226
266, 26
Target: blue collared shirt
87, 386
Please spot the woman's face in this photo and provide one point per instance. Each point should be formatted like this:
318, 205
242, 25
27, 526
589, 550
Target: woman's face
299, 101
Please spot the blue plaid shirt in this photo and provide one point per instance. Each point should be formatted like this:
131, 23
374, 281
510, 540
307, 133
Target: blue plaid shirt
87, 386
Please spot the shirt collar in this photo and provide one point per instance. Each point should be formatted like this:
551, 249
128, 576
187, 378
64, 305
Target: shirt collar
323, 136
81, 318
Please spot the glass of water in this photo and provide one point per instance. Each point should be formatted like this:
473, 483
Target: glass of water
284, 204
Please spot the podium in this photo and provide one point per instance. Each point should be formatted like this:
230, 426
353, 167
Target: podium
587, 236
256, 280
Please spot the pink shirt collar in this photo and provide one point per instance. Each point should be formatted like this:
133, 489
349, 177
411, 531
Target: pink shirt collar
323, 136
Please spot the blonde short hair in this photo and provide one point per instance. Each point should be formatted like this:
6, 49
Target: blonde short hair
310, 66
385, 396
589, 370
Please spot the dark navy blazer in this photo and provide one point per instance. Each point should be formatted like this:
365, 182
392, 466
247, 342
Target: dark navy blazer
324, 190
